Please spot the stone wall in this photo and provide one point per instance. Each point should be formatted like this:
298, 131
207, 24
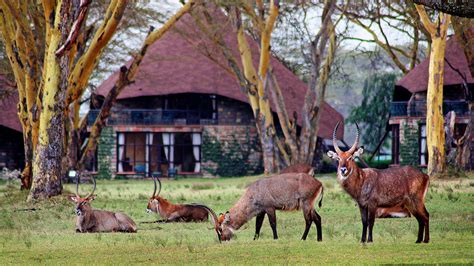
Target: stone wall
106, 154
231, 151
409, 142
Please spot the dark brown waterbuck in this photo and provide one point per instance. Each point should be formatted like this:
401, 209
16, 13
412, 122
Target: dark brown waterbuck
397, 187
392, 212
175, 212
286, 192
92, 221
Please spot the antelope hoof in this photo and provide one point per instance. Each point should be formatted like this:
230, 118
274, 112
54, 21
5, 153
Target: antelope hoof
418, 241
426, 241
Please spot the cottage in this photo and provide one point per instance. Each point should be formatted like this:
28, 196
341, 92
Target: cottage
408, 109
11, 136
186, 114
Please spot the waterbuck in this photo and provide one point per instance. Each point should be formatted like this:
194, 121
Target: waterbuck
175, 212
92, 221
287, 192
392, 212
299, 168
402, 187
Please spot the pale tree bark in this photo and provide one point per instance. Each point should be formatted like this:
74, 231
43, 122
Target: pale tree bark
42, 51
47, 164
434, 116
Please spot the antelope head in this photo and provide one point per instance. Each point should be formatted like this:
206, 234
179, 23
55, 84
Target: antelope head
226, 230
346, 163
153, 201
83, 203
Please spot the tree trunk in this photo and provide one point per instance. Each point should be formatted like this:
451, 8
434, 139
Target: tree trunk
435, 136
48, 163
434, 116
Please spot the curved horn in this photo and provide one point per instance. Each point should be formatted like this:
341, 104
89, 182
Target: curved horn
93, 189
77, 185
159, 190
356, 143
334, 142
214, 218
154, 190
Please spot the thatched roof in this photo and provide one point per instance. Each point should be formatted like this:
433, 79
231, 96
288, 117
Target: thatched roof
456, 69
178, 63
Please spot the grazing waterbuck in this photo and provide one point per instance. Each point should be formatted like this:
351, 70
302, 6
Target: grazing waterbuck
175, 212
92, 221
397, 187
286, 192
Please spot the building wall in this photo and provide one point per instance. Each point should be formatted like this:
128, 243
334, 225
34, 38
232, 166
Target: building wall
233, 112
231, 151
409, 141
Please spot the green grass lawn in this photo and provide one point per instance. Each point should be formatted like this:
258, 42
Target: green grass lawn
47, 235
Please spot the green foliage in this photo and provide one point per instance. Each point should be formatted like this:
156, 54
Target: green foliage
46, 235
373, 114
231, 158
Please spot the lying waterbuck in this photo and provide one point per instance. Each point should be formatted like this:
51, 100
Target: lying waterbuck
285, 192
175, 212
93, 221
402, 187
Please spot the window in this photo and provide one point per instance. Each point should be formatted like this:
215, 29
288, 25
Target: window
131, 155
423, 145
180, 151
149, 153
395, 144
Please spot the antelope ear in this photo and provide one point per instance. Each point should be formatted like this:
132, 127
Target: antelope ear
227, 217
359, 152
91, 198
311, 172
333, 155
72, 198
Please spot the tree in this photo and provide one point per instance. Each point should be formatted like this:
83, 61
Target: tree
262, 85
52, 71
456, 8
434, 115
375, 17
374, 112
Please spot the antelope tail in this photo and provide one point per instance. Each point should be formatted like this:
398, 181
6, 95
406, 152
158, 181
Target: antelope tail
322, 196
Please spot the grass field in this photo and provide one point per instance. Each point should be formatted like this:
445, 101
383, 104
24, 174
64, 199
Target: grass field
47, 234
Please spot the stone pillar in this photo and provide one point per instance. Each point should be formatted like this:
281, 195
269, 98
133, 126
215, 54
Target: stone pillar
409, 141
106, 149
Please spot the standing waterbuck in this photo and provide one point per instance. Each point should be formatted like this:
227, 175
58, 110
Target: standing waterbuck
92, 221
175, 212
398, 187
287, 192
392, 212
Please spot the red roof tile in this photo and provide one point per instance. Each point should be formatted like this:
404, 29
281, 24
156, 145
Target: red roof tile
177, 64
417, 79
